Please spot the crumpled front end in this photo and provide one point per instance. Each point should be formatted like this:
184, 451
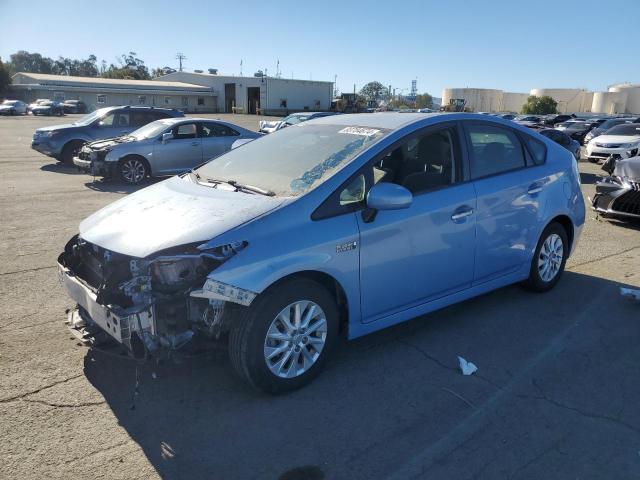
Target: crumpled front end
92, 160
148, 305
619, 194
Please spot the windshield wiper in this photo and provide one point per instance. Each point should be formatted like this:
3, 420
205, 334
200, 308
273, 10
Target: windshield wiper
251, 188
239, 186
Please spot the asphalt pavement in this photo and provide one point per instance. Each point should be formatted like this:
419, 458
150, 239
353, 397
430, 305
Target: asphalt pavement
555, 395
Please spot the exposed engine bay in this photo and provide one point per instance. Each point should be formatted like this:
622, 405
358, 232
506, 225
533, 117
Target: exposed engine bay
150, 304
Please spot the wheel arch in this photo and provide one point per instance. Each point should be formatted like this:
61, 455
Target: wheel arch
136, 155
332, 285
567, 224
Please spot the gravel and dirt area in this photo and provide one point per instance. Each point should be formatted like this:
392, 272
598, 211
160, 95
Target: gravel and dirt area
555, 395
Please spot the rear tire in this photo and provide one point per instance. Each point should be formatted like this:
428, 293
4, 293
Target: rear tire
71, 150
273, 358
549, 259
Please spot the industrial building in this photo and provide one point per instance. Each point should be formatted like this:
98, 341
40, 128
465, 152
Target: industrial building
104, 92
190, 92
260, 94
619, 99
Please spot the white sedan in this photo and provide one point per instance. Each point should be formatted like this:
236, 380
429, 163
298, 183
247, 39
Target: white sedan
13, 107
618, 140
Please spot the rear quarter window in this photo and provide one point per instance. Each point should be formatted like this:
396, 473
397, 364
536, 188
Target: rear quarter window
537, 149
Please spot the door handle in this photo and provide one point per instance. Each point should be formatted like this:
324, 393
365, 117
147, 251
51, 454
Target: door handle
461, 213
534, 188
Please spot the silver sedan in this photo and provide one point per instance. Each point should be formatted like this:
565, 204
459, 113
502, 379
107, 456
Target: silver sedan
164, 147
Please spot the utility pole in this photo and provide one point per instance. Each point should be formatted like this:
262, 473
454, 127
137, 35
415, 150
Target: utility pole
181, 56
240, 67
335, 85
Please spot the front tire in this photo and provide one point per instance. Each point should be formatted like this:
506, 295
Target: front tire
133, 170
281, 342
549, 259
71, 150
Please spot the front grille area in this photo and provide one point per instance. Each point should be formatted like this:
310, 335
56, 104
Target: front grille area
600, 154
628, 202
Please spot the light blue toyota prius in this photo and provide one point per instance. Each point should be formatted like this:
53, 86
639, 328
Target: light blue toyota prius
349, 223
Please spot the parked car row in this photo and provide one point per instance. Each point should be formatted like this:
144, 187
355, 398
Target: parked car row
42, 106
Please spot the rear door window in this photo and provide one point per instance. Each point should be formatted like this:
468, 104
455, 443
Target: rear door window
493, 150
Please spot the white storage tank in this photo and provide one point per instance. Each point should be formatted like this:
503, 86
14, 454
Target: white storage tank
609, 102
513, 102
569, 100
477, 99
633, 96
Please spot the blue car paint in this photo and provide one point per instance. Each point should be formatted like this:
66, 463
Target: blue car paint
507, 223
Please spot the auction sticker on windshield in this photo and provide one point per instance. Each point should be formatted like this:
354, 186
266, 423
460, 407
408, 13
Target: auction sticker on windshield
367, 132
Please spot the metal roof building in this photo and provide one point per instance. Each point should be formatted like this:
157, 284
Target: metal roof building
103, 92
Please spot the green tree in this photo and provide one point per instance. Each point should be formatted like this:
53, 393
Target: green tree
424, 100
23, 61
5, 78
130, 67
374, 91
540, 105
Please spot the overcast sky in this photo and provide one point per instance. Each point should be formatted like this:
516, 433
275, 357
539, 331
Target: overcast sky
512, 45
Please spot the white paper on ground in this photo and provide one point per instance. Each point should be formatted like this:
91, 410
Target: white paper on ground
467, 368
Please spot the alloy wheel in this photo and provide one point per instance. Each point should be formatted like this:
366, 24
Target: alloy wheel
550, 257
295, 339
133, 170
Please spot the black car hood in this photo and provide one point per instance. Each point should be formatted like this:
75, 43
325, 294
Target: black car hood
628, 168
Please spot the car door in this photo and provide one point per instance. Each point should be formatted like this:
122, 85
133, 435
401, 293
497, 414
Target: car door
412, 256
180, 153
216, 139
113, 124
510, 195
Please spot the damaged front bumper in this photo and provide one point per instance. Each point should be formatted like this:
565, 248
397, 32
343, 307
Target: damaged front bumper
148, 306
97, 168
617, 197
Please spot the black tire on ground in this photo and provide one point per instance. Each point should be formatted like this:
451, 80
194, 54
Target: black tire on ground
133, 169
535, 282
70, 150
592, 160
249, 332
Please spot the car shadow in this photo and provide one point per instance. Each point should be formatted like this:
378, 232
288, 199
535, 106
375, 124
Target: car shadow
60, 167
195, 419
116, 186
629, 223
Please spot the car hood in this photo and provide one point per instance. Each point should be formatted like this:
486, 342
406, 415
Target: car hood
56, 127
629, 168
271, 125
618, 138
171, 213
7, 107
109, 143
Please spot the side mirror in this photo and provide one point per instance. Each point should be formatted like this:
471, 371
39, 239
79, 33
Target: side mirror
389, 196
166, 137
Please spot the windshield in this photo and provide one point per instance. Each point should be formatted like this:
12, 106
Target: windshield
626, 129
294, 160
295, 119
150, 130
90, 117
